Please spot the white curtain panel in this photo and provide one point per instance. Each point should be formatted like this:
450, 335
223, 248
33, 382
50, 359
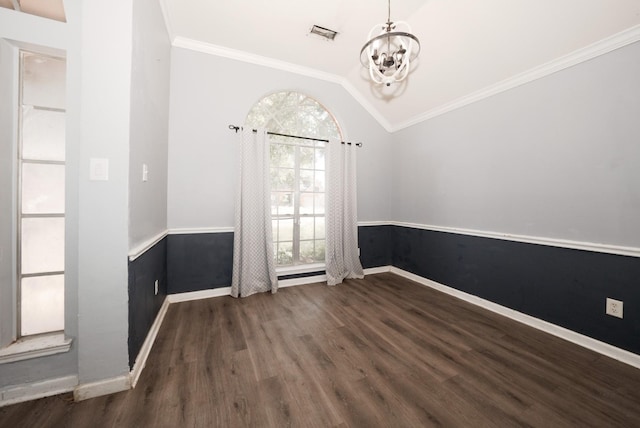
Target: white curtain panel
253, 263
341, 255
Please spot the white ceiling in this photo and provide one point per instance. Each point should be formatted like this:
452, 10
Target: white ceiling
469, 47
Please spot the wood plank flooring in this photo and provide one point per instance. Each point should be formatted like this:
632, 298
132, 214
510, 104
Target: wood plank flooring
378, 352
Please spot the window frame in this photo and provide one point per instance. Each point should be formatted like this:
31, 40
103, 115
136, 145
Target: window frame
297, 216
13, 345
273, 122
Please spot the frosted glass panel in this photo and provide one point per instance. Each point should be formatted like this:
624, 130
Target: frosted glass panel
42, 245
42, 189
42, 304
43, 81
43, 134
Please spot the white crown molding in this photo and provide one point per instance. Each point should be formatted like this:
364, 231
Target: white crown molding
145, 350
143, 247
196, 230
616, 41
587, 342
209, 48
366, 104
35, 390
553, 242
606, 45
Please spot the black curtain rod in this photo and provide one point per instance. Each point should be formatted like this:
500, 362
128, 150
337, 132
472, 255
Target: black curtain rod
237, 128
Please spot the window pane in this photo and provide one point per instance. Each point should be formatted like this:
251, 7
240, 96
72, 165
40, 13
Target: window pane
42, 304
319, 203
306, 180
319, 250
306, 203
43, 81
306, 157
42, 188
284, 255
319, 227
282, 155
306, 252
320, 163
43, 134
42, 245
283, 178
274, 230
319, 181
306, 228
284, 201
285, 230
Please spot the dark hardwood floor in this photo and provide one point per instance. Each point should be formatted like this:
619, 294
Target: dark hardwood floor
382, 351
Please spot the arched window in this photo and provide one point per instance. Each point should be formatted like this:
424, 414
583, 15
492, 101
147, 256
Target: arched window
297, 173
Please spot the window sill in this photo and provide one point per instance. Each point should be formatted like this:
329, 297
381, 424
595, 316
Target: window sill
34, 347
293, 270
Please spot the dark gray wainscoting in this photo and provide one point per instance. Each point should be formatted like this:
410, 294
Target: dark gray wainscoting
376, 245
203, 261
144, 304
563, 286
199, 261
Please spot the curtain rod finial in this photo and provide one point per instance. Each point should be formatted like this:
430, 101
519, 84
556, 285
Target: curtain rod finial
235, 128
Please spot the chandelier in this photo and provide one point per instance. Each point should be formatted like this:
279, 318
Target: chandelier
389, 51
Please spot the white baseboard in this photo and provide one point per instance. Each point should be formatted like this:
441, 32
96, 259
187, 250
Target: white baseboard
197, 295
35, 390
102, 387
375, 270
579, 339
226, 291
143, 354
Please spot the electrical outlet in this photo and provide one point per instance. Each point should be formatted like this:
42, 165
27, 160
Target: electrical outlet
155, 285
614, 307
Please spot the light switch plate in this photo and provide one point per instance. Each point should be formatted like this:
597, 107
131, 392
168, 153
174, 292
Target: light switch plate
98, 169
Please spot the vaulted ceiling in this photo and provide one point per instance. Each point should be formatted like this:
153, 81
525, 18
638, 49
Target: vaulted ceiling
470, 48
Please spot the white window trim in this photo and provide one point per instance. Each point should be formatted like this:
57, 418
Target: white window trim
302, 268
35, 346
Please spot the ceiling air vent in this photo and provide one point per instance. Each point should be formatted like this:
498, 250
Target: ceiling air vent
323, 32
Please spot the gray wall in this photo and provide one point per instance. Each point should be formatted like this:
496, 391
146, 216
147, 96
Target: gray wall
556, 158
149, 123
208, 93
102, 106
